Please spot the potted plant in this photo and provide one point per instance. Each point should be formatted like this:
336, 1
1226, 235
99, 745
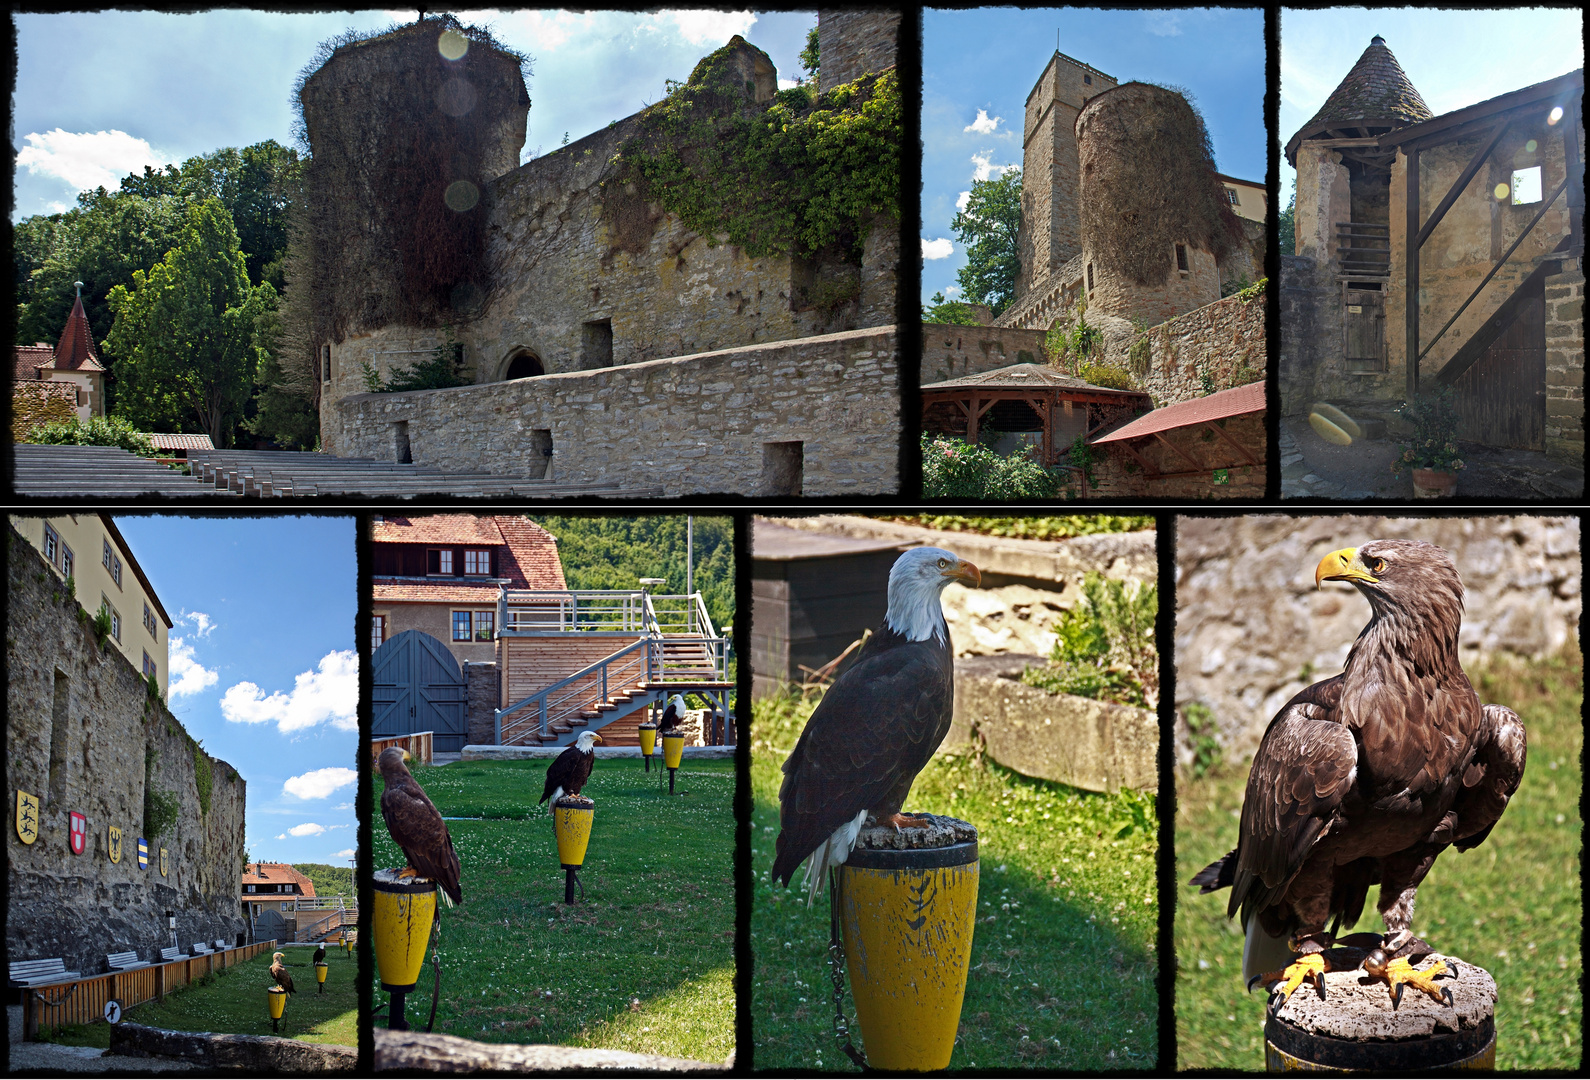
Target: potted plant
1432, 452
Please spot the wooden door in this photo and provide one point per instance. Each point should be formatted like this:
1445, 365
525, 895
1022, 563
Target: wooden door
1501, 400
418, 687
1364, 319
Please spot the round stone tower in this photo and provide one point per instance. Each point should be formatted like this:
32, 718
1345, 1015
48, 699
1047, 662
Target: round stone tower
406, 131
1155, 218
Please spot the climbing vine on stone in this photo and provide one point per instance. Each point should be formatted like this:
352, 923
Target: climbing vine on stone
799, 174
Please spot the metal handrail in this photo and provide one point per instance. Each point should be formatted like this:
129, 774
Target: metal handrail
542, 696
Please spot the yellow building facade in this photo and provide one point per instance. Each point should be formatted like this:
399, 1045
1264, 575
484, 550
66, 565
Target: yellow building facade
89, 549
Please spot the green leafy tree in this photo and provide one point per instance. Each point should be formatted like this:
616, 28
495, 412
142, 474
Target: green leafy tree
99, 431
987, 228
954, 469
808, 56
1286, 228
940, 310
184, 339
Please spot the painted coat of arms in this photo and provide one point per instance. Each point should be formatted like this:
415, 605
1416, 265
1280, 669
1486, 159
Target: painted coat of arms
113, 843
143, 854
79, 833
162, 862
27, 816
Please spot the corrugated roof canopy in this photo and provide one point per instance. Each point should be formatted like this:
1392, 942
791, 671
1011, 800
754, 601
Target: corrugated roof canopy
1023, 377
1238, 401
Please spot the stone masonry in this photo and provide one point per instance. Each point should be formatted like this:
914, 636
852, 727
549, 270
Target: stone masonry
1565, 363
852, 43
80, 728
692, 424
1252, 630
1119, 476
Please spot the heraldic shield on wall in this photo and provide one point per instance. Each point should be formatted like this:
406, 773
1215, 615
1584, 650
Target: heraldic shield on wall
162, 862
78, 837
27, 816
113, 843
143, 854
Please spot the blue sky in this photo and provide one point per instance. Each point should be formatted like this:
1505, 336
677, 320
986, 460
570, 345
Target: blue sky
980, 65
99, 95
1499, 51
264, 665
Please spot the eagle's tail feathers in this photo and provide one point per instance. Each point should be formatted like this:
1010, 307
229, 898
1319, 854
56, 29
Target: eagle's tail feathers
557, 793
831, 852
1262, 953
1217, 875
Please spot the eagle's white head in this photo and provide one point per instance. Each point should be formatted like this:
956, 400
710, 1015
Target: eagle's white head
677, 704
916, 581
585, 741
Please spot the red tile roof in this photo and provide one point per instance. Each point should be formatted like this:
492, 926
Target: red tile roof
1238, 401
276, 874
179, 442
437, 529
29, 359
392, 590
75, 351
527, 553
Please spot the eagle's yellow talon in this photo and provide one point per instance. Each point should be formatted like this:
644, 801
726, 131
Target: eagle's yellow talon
1399, 973
1311, 968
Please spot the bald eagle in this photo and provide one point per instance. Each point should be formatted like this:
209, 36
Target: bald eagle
876, 727
280, 974
1366, 778
319, 956
417, 827
673, 714
571, 769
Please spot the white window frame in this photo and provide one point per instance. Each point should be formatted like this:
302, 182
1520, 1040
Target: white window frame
68, 560
480, 558
112, 563
52, 545
444, 562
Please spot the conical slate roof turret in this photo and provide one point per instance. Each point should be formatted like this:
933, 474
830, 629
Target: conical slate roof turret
75, 351
1375, 97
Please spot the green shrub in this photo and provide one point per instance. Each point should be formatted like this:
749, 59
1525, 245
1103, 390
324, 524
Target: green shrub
102, 625
201, 776
1104, 647
952, 468
1204, 730
1111, 376
99, 431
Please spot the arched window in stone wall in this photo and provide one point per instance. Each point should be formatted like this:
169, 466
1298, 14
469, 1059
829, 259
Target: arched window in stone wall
522, 364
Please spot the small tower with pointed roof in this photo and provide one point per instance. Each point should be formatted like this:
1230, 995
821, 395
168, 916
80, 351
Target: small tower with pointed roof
72, 361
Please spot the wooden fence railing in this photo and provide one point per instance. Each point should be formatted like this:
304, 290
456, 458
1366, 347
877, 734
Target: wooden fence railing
82, 1001
418, 745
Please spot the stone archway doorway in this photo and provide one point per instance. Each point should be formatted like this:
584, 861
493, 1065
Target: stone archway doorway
522, 365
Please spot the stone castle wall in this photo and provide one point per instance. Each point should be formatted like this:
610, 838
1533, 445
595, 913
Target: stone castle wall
1216, 347
1120, 475
1181, 291
79, 724
1252, 630
953, 352
1565, 364
853, 42
693, 424
481, 692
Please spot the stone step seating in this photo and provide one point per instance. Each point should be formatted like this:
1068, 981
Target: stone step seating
124, 961
95, 471
296, 473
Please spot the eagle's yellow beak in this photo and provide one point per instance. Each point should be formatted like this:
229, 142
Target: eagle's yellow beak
1343, 565
964, 572
407, 757
596, 738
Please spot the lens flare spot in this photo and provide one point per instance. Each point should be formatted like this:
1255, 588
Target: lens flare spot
1531, 146
462, 195
455, 97
1501, 192
1556, 114
452, 45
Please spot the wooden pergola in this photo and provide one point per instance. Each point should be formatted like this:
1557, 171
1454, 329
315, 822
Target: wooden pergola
1047, 392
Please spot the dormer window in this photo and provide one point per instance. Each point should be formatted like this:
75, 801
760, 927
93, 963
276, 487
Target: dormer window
439, 561
477, 561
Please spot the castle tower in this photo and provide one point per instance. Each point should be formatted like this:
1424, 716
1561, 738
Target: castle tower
1050, 232
850, 43
1155, 219
405, 132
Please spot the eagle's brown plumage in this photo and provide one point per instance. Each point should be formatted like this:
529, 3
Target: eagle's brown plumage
280, 974
1367, 777
417, 827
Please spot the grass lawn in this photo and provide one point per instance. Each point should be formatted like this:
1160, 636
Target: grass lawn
234, 1000
646, 963
1511, 905
1063, 964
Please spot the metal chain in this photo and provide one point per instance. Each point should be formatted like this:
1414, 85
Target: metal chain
836, 968
436, 965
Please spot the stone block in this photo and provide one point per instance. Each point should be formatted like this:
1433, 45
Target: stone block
251, 1053
1569, 311
416, 1051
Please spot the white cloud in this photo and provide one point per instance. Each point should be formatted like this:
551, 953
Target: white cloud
962, 200
308, 828
710, 27
984, 124
329, 694
202, 623
343, 806
185, 676
937, 249
986, 169
347, 826
345, 853
87, 160
1163, 23
952, 291
319, 783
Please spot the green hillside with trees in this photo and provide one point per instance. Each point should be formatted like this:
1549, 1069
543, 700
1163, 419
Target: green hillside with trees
328, 880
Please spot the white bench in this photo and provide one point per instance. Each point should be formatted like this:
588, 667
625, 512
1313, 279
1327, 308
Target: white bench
41, 972
221, 945
201, 949
173, 953
124, 961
